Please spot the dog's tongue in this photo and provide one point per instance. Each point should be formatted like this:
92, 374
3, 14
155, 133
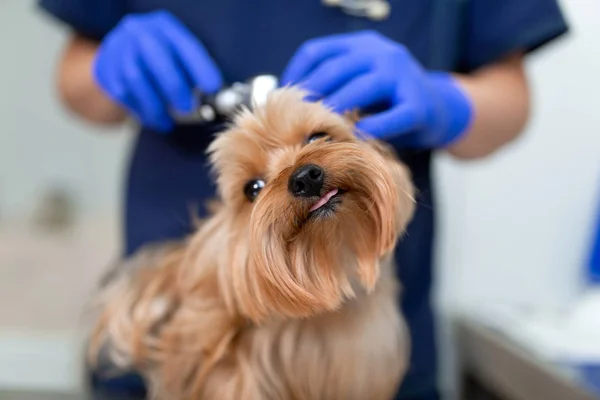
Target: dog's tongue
323, 200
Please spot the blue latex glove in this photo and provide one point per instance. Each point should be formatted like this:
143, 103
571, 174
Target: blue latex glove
364, 69
150, 64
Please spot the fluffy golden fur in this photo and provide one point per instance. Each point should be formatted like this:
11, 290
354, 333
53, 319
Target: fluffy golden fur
267, 300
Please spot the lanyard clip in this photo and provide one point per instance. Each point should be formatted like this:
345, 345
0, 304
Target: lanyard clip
375, 10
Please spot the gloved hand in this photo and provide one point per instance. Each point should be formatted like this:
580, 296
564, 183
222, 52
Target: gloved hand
150, 64
365, 69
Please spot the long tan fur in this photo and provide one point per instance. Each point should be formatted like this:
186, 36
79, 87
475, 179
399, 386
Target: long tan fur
264, 302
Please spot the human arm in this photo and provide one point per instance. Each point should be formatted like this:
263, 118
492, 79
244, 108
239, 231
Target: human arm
145, 65
501, 103
499, 34
77, 87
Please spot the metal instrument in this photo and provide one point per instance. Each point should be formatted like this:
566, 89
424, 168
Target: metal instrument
229, 100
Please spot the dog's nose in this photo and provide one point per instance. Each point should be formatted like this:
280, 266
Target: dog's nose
306, 181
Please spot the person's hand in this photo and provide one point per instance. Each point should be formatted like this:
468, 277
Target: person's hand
150, 64
365, 69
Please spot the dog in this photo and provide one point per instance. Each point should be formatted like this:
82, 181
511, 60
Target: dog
287, 291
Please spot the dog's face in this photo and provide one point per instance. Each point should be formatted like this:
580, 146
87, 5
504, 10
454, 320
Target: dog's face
308, 208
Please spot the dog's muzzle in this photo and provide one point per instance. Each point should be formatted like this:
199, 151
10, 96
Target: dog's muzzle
307, 181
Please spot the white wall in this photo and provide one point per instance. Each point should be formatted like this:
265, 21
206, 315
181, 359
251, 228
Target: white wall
39, 143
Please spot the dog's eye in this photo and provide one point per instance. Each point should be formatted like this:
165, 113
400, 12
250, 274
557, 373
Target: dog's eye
318, 135
253, 188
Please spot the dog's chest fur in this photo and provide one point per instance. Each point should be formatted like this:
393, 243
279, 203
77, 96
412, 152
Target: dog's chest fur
357, 353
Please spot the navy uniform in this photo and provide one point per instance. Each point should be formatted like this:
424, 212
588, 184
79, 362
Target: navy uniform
168, 173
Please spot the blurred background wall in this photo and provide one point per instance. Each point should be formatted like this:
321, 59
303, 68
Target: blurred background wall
514, 228
40, 144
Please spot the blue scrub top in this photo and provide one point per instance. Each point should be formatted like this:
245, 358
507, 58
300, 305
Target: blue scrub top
168, 173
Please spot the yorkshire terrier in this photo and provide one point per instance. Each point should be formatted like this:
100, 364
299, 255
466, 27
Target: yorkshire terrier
288, 290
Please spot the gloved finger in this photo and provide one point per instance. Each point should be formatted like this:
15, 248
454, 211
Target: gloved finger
167, 75
110, 76
333, 73
191, 54
399, 120
309, 56
363, 91
105, 70
143, 97
107, 79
